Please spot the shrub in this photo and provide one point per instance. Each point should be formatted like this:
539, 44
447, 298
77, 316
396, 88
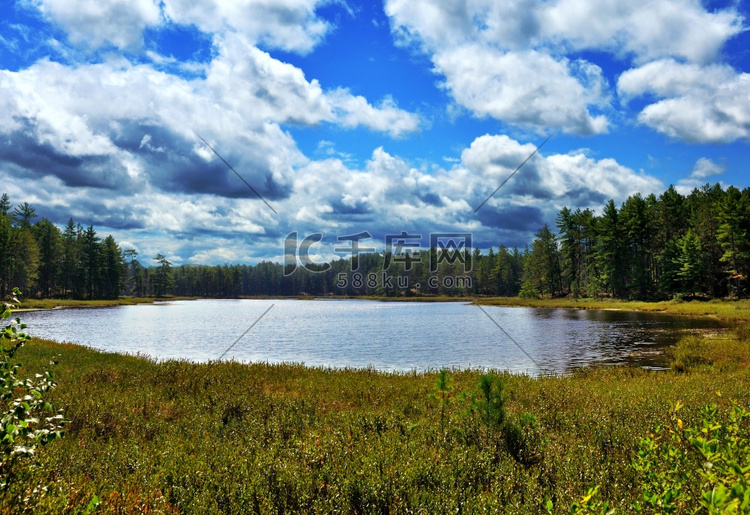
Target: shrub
706, 466
27, 419
524, 439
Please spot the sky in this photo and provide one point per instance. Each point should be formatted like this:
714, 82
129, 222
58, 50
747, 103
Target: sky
353, 116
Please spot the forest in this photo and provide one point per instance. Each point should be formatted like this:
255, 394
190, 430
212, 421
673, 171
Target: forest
654, 247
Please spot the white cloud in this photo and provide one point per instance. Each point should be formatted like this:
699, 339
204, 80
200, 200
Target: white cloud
98, 22
667, 77
706, 104
554, 181
507, 59
525, 88
290, 25
126, 114
255, 85
353, 111
703, 169
643, 28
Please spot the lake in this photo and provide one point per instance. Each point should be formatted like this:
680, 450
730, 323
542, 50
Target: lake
390, 336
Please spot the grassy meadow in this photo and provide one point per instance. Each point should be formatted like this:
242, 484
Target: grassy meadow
178, 437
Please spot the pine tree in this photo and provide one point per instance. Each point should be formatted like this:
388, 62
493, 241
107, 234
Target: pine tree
48, 239
635, 217
689, 261
162, 276
91, 262
23, 214
5, 204
112, 268
611, 249
542, 266
733, 236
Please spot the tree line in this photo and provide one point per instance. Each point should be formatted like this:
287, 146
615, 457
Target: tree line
652, 247
45, 262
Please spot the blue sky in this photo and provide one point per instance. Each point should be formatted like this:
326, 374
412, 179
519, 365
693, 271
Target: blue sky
361, 116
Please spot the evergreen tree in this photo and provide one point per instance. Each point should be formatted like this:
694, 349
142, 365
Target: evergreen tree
6, 251
689, 262
572, 248
704, 205
669, 279
162, 276
635, 217
733, 236
112, 268
48, 239
70, 260
5, 204
91, 250
611, 249
542, 266
23, 214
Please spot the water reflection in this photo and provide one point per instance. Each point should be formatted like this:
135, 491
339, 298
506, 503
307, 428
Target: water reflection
384, 335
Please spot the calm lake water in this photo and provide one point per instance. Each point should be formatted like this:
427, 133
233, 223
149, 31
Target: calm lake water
388, 336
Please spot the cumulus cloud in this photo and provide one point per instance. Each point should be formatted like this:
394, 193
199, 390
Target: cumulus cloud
642, 28
118, 125
705, 104
526, 88
556, 180
98, 22
703, 169
386, 195
290, 25
507, 59
353, 111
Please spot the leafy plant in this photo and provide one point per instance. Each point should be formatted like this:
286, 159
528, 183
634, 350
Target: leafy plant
706, 466
587, 505
27, 419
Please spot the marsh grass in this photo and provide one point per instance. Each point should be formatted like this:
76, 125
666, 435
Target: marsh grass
180, 437
30, 304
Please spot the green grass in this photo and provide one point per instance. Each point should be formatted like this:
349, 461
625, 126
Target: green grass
232, 438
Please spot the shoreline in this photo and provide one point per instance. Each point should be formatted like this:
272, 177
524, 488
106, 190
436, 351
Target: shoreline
733, 311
